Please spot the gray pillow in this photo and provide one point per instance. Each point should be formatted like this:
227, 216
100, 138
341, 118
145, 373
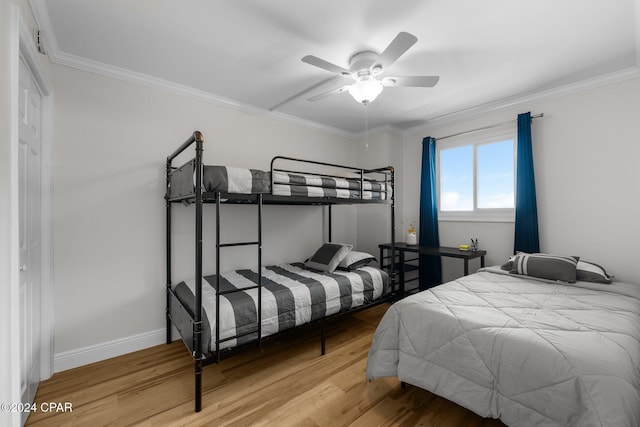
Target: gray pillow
545, 266
328, 256
590, 272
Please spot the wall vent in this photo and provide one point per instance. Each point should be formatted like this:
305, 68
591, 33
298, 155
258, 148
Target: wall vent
39, 40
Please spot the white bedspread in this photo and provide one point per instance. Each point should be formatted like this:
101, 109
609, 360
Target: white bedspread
525, 351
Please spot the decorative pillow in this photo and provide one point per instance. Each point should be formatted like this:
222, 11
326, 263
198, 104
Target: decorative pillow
509, 264
545, 266
590, 272
328, 256
355, 259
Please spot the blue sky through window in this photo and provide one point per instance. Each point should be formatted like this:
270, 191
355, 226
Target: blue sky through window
456, 179
495, 177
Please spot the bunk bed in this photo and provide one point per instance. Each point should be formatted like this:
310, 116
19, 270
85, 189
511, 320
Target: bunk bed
203, 309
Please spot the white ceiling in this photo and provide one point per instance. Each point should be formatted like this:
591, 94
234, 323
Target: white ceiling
248, 52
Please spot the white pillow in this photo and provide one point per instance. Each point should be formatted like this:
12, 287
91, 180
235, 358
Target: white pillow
590, 272
355, 259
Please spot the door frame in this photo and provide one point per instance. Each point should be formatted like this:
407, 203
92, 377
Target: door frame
23, 47
29, 53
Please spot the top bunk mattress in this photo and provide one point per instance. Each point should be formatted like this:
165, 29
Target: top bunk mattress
228, 179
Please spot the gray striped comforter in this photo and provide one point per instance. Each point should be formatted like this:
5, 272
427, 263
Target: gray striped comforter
252, 181
292, 295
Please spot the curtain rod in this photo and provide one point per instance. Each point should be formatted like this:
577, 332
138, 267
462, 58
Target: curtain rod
486, 127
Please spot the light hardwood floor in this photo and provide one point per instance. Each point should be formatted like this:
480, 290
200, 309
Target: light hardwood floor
288, 383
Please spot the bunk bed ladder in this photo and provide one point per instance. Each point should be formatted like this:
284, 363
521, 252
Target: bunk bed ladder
219, 246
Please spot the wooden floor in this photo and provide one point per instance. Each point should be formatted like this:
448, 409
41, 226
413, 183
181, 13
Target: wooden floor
288, 383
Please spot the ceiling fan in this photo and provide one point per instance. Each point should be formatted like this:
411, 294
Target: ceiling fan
366, 69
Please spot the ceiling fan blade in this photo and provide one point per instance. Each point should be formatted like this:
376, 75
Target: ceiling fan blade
325, 65
329, 93
411, 81
307, 90
395, 50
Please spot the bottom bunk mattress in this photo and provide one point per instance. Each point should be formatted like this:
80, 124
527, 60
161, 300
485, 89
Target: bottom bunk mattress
526, 351
292, 295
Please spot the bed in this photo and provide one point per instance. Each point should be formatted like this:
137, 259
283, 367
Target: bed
220, 314
293, 295
345, 184
527, 350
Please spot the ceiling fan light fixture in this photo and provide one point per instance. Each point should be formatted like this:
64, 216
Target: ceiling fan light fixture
365, 90
364, 68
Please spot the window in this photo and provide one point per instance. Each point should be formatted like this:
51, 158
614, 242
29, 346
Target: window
476, 177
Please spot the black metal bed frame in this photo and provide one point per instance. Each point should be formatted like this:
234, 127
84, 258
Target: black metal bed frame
176, 312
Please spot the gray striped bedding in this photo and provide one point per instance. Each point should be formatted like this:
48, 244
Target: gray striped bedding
230, 179
292, 295
252, 181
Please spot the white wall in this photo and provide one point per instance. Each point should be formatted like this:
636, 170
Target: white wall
111, 139
111, 142
586, 153
378, 148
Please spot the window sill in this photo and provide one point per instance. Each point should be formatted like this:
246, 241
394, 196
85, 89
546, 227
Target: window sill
477, 216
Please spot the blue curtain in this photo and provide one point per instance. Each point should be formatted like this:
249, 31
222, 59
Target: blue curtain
430, 266
526, 226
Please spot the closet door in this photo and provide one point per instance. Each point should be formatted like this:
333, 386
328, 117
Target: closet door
30, 211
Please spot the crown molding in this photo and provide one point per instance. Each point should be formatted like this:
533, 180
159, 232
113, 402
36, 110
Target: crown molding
95, 67
118, 73
56, 56
504, 103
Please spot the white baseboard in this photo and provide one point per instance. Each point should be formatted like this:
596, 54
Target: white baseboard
95, 353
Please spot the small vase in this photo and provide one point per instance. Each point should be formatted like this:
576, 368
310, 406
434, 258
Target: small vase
411, 239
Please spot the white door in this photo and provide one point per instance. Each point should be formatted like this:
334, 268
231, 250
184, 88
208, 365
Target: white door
30, 118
